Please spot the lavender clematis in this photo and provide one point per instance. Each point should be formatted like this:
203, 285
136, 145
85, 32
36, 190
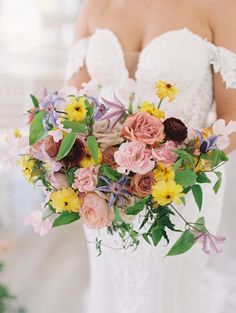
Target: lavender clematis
49, 104
207, 144
116, 111
210, 242
117, 190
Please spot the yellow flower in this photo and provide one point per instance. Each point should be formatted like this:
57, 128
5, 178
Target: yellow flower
65, 200
76, 110
88, 159
203, 165
27, 166
166, 90
17, 133
163, 173
151, 109
167, 192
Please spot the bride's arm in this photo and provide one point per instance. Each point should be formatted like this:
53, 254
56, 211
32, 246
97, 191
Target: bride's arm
88, 11
223, 24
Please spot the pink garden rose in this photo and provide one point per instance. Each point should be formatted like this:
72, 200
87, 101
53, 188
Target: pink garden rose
59, 181
86, 179
143, 127
164, 154
133, 156
95, 212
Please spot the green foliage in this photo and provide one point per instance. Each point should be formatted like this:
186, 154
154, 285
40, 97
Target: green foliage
66, 145
186, 178
198, 195
202, 178
218, 183
137, 207
76, 127
35, 101
93, 147
89, 108
183, 244
66, 218
200, 225
37, 130
70, 175
108, 172
186, 159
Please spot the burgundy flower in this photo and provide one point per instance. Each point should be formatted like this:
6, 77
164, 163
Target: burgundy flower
76, 154
175, 129
108, 157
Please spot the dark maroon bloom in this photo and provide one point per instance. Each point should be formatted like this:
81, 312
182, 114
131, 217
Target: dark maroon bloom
175, 129
76, 154
108, 157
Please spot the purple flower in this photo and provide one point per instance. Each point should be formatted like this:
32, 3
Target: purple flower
116, 111
209, 242
207, 144
117, 190
49, 104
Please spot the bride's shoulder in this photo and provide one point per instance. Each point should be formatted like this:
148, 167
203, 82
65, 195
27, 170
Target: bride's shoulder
89, 10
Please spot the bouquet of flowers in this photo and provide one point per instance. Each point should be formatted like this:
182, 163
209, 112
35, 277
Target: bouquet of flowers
100, 161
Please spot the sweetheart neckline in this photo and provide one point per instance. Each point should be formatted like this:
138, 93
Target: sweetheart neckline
151, 42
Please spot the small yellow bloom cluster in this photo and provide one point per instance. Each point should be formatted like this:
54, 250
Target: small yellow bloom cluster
166, 90
65, 200
88, 159
165, 192
163, 173
27, 165
151, 109
76, 110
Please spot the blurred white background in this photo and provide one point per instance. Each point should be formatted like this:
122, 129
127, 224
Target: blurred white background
47, 274
51, 274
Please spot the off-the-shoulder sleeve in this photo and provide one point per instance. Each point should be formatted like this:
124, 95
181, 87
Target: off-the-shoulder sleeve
224, 62
77, 57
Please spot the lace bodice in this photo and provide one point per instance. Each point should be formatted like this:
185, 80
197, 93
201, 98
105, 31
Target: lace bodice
180, 57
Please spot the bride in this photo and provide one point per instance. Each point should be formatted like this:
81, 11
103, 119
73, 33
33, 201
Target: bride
191, 44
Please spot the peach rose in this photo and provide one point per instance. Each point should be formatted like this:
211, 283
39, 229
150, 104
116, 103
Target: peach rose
95, 212
141, 185
143, 127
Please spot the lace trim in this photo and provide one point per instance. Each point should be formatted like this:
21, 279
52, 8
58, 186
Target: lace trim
224, 62
77, 57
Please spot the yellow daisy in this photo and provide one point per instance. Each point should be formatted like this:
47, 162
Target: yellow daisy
27, 165
163, 173
76, 110
166, 90
151, 109
88, 159
166, 192
65, 200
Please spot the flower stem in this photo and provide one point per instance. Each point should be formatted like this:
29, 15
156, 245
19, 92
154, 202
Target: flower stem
159, 105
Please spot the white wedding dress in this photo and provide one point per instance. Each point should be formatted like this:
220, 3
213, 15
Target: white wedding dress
145, 281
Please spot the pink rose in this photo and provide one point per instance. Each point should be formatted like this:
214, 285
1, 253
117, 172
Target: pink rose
95, 212
86, 179
133, 156
143, 127
165, 154
59, 181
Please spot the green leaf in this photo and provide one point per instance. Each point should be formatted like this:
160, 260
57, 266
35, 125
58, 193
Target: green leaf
37, 130
137, 207
197, 193
107, 171
145, 237
183, 244
186, 178
35, 101
156, 235
218, 183
66, 145
217, 156
89, 108
76, 127
177, 165
70, 175
200, 225
66, 218
93, 147
202, 178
